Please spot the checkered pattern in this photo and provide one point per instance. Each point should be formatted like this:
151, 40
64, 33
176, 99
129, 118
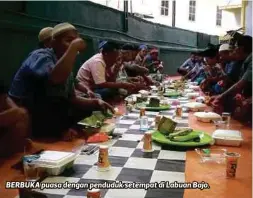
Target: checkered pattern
129, 163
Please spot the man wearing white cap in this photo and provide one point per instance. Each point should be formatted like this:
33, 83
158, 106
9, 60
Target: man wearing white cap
45, 85
45, 37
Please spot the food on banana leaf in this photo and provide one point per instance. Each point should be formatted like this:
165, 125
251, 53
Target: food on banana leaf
179, 133
186, 138
96, 119
166, 125
154, 102
141, 99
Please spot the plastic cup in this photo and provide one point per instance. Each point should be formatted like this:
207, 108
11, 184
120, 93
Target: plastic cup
226, 118
31, 169
103, 159
147, 145
231, 163
94, 193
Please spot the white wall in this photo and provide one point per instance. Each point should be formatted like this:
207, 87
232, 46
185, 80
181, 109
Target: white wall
205, 14
231, 19
248, 18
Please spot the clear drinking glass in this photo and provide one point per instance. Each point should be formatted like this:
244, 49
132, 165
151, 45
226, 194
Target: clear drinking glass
31, 169
226, 118
144, 123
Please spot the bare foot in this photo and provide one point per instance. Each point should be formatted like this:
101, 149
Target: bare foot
70, 135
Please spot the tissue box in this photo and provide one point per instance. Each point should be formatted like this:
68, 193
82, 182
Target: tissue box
227, 137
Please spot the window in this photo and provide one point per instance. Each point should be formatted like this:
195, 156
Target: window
192, 10
165, 8
218, 16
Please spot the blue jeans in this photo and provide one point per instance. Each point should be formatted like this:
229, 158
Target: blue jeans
106, 93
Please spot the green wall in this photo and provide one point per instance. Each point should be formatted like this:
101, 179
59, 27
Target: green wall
20, 23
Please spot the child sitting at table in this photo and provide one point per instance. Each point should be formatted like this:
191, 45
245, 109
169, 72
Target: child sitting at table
14, 125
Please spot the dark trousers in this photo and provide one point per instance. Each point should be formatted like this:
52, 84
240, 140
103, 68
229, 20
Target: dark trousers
106, 93
53, 116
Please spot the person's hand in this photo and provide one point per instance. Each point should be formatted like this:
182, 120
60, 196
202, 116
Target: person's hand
238, 97
144, 70
91, 94
217, 101
105, 106
128, 86
78, 45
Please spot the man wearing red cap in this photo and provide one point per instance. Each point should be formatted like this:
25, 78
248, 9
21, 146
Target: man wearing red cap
152, 62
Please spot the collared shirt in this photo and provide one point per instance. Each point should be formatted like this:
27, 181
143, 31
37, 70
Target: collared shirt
31, 82
92, 72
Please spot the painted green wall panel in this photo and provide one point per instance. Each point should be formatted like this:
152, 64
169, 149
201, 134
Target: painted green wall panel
173, 59
20, 26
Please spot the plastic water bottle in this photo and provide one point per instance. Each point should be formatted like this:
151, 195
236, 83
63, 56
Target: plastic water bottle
144, 123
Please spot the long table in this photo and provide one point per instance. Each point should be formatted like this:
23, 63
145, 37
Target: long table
214, 174
129, 163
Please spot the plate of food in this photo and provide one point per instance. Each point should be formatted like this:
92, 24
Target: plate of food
172, 94
96, 120
154, 104
168, 134
183, 138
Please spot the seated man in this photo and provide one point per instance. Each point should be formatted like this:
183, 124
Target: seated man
188, 65
93, 72
14, 125
213, 71
152, 62
230, 69
133, 67
127, 56
45, 37
44, 84
194, 73
243, 88
141, 55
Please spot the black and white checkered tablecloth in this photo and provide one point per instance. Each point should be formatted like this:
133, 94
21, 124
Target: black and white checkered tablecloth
128, 163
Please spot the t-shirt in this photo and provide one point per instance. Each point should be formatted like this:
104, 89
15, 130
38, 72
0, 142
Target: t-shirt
31, 85
149, 63
188, 64
30, 81
232, 70
122, 75
246, 75
138, 59
92, 72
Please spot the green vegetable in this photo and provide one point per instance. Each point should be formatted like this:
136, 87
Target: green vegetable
186, 138
180, 133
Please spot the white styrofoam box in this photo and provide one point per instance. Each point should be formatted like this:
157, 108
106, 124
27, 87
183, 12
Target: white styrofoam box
227, 137
55, 162
207, 116
195, 106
